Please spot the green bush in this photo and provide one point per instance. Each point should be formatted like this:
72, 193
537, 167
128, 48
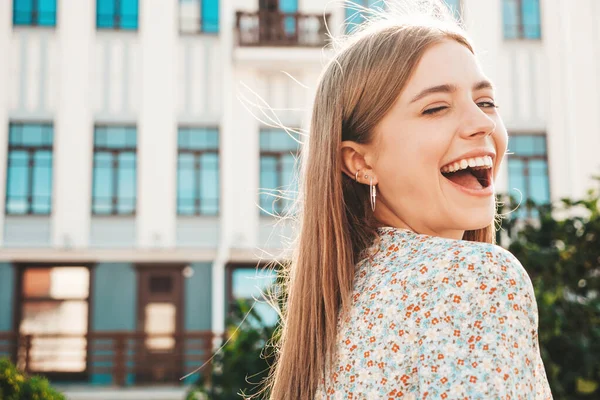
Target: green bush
240, 367
14, 385
561, 252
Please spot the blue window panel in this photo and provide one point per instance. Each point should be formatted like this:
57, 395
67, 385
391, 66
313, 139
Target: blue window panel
210, 16
251, 284
129, 14
531, 19
103, 183
47, 12
510, 19
105, 13
31, 135
17, 182
29, 172
115, 137
277, 167
198, 171
248, 283
28, 12
198, 138
528, 145
289, 180
42, 182
23, 12
517, 185
278, 140
354, 17
117, 14
538, 181
289, 7
269, 180
126, 185
454, 6
115, 184
209, 184
186, 184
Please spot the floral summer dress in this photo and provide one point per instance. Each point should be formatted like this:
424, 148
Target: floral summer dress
436, 318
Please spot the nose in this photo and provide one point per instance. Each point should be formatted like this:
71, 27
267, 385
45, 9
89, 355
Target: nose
476, 123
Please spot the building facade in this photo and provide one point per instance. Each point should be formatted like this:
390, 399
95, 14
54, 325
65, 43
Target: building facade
139, 155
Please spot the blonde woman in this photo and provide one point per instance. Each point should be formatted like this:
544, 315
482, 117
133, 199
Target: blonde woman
396, 289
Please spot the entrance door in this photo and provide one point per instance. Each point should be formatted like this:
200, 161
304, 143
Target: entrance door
160, 316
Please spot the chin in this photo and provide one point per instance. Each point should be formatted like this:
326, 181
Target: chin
474, 220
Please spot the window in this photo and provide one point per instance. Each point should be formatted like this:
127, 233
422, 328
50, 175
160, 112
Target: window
29, 172
528, 171
198, 171
355, 13
199, 16
114, 187
54, 300
117, 14
34, 12
278, 152
454, 6
521, 19
250, 283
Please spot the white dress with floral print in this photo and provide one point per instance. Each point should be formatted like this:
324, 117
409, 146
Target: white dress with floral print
435, 318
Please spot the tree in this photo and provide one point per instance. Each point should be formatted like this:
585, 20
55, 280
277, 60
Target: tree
561, 253
240, 367
14, 385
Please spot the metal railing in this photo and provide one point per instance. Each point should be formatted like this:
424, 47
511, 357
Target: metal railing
274, 28
118, 358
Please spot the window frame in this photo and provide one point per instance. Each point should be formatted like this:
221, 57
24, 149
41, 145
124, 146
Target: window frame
197, 169
20, 300
117, 18
31, 150
200, 21
114, 151
230, 269
526, 176
279, 154
520, 26
35, 15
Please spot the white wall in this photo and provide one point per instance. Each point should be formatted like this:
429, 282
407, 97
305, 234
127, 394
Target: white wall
158, 79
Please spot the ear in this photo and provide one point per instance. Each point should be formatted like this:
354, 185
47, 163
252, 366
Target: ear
354, 159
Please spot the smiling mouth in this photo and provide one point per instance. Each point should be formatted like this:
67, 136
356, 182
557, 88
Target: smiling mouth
472, 173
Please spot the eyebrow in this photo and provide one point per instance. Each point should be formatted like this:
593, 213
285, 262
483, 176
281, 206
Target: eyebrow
447, 88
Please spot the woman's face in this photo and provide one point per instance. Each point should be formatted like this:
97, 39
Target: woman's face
436, 154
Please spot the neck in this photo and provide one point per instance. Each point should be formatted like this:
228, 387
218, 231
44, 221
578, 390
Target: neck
387, 218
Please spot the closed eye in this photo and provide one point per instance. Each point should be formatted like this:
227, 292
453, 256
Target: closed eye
434, 110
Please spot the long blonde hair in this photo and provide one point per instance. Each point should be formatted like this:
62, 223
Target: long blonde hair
356, 89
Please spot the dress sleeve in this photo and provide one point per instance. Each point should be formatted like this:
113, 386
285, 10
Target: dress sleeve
476, 329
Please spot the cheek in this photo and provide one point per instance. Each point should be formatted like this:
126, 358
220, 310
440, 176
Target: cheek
413, 158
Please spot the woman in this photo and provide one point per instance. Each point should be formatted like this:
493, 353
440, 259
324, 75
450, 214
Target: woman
396, 288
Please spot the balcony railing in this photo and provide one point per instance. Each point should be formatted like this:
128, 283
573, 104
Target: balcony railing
118, 358
274, 28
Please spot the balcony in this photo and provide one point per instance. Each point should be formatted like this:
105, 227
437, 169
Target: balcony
274, 28
110, 358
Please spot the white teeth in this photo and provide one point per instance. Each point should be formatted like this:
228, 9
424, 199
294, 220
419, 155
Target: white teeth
485, 161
